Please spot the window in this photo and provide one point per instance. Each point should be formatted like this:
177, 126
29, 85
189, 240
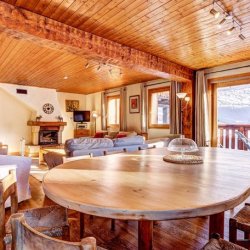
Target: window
113, 117
158, 100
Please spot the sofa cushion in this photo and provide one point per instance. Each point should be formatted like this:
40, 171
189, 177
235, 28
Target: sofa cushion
128, 133
87, 143
121, 135
126, 141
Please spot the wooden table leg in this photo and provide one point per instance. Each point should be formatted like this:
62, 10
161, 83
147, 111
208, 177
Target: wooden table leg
145, 235
216, 224
82, 225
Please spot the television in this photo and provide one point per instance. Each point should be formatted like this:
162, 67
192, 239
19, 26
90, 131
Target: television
81, 116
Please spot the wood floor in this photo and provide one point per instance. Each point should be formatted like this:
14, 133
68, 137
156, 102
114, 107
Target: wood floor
176, 234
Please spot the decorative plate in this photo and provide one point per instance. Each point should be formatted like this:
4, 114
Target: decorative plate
48, 108
183, 159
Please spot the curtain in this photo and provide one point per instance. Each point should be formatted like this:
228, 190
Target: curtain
175, 112
144, 112
202, 136
104, 110
123, 109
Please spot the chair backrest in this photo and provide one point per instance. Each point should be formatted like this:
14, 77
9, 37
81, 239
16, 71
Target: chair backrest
3, 149
25, 237
7, 189
244, 139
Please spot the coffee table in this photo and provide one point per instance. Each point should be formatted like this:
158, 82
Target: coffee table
141, 186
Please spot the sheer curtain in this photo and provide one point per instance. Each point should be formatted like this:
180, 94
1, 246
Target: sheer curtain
202, 136
123, 107
175, 111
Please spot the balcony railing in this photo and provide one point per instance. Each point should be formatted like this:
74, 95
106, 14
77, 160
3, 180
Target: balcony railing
227, 137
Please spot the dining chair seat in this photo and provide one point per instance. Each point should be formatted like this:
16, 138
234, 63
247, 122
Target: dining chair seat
241, 221
217, 243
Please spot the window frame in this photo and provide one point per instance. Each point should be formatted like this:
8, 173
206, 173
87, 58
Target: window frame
109, 98
150, 93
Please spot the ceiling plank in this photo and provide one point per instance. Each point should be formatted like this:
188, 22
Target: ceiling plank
52, 34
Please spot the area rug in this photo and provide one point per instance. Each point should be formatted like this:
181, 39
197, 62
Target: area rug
38, 171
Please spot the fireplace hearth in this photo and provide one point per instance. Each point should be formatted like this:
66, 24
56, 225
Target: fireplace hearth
48, 137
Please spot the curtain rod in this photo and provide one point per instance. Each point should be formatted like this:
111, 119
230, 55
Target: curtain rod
152, 84
223, 70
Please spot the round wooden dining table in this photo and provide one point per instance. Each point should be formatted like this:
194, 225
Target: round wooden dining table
141, 186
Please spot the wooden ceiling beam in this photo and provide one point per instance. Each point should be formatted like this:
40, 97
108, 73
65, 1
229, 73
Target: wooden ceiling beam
23, 24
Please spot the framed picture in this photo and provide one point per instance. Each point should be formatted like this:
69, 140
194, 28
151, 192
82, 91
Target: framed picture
134, 104
71, 105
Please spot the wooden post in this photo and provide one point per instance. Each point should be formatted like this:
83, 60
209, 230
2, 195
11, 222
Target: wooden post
145, 235
216, 224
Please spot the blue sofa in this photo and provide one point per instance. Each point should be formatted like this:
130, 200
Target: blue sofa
98, 146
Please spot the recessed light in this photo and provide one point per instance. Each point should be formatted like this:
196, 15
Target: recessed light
65, 77
242, 37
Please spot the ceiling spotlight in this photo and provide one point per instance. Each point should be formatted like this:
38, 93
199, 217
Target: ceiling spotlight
229, 16
86, 65
229, 32
65, 77
221, 23
99, 67
242, 37
215, 13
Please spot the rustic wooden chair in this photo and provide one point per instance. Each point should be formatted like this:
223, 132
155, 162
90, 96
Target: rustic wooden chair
26, 237
8, 189
52, 221
216, 243
241, 221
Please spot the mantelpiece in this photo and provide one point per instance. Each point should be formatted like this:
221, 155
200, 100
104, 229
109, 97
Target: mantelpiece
45, 124
37, 126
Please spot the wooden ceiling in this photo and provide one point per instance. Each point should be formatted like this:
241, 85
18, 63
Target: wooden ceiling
26, 63
182, 31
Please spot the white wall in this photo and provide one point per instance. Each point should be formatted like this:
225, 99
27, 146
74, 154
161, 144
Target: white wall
17, 109
35, 99
93, 103
68, 131
228, 70
134, 119
14, 115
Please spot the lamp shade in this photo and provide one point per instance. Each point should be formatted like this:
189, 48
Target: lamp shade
181, 95
94, 114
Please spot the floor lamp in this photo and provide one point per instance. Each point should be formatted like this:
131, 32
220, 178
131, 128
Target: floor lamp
94, 115
182, 96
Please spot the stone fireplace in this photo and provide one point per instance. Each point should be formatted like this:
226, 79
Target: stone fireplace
46, 133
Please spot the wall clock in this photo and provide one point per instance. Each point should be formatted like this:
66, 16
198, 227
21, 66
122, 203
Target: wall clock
48, 108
